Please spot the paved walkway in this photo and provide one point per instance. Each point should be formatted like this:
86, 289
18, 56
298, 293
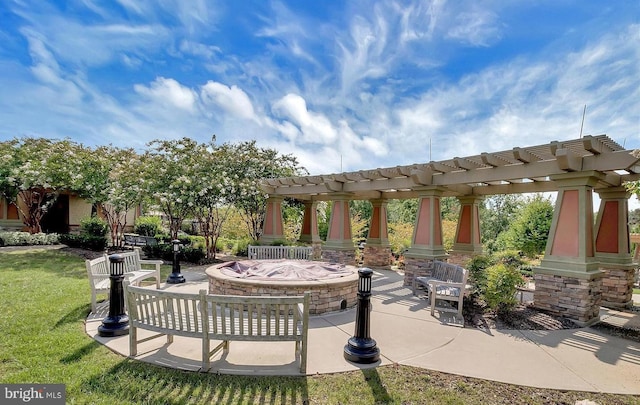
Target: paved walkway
577, 359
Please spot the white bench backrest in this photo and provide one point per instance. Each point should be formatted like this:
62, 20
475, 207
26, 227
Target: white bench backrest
256, 316
98, 269
280, 252
131, 260
160, 310
446, 271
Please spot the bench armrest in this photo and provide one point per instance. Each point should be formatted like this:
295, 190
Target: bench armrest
434, 283
155, 263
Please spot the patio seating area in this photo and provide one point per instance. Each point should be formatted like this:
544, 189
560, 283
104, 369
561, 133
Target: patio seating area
574, 359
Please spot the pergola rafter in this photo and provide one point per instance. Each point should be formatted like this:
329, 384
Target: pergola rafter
519, 170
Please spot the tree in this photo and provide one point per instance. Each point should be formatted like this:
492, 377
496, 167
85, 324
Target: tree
256, 164
109, 178
496, 214
403, 211
530, 229
168, 173
215, 176
33, 173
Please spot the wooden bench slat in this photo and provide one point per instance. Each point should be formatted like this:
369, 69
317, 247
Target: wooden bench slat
219, 317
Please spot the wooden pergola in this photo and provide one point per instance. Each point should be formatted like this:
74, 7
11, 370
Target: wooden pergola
520, 170
592, 255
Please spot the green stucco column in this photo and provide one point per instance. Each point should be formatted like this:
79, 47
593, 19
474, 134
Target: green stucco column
377, 252
339, 247
426, 243
467, 243
568, 280
272, 228
613, 248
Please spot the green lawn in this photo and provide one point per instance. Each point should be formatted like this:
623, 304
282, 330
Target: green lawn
44, 300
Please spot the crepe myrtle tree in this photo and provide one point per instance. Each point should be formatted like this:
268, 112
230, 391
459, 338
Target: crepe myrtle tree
109, 178
257, 163
216, 174
169, 169
33, 172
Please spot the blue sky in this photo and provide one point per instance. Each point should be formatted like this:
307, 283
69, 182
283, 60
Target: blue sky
342, 85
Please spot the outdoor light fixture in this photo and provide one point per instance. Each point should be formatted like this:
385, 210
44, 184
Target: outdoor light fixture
117, 322
176, 277
361, 348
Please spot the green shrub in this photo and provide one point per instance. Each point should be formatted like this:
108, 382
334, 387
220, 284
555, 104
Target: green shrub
25, 238
94, 226
502, 283
95, 243
511, 258
165, 252
224, 244
147, 226
192, 255
241, 247
477, 271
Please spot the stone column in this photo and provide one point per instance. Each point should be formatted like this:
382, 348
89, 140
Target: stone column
339, 247
613, 248
568, 280
272, 229
467, 242
377, 252
309, 233
426, 243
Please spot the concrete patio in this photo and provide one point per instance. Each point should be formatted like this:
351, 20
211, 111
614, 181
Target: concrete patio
581, 359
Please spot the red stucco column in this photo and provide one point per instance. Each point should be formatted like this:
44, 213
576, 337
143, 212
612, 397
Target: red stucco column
613, 248
467, 242
272, 229
426, 243
309, 232
339, 246
377, 252
568, 280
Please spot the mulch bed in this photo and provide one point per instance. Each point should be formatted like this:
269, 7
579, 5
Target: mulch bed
522, 317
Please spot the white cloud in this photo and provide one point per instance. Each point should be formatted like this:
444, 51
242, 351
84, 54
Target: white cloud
477, 28
314, 127
231, 99
169, 92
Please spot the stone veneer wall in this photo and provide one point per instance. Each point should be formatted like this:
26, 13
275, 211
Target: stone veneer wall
617, 287
575, 298
416, 267
317, 250
460, 259
377, 256
325, 297
346, 256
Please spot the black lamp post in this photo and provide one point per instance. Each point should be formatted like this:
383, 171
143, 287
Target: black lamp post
117, 322
175, 277
361, 348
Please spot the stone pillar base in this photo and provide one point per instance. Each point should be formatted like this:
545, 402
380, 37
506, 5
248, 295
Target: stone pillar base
377, 256
416, 267
461, 258
339, 256
317, 250
617, 286
575, 298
